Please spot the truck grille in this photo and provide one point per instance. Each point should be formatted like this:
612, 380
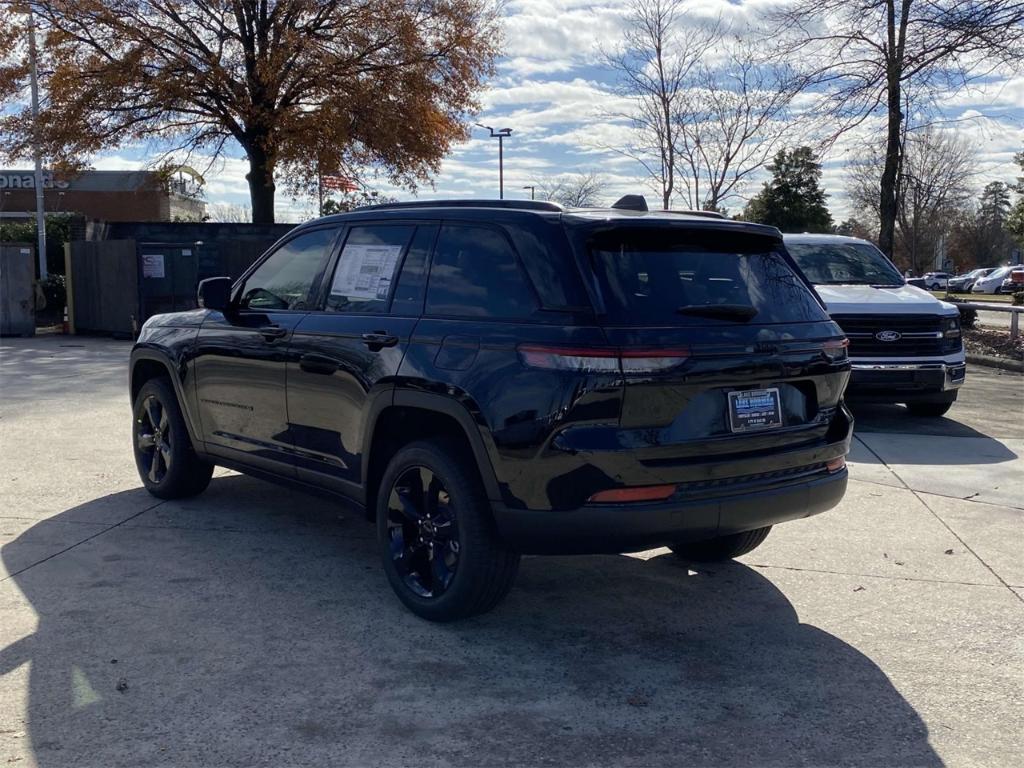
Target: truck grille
919, 335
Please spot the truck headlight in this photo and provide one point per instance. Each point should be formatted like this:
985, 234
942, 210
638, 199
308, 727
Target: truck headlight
952, 328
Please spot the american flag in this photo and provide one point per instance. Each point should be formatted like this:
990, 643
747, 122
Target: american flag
339, 183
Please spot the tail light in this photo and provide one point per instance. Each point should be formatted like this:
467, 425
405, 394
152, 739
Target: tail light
602, 359
836, 350
836, 465
640, 493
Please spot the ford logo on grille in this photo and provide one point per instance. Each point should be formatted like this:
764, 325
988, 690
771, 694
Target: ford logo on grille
888, 335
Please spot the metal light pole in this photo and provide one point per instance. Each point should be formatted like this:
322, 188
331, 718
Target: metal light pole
915, 184
34, 79
501, 134
532, 190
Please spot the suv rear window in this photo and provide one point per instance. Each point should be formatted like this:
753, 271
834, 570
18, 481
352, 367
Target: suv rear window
663, 278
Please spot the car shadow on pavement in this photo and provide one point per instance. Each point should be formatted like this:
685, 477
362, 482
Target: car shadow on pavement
253, 626
872, 417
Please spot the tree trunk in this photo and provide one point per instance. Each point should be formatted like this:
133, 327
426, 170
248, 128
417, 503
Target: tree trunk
261, 187
888, 203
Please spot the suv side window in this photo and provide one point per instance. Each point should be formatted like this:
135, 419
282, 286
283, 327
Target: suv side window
475, 273
286, 279
408, 296
367, 267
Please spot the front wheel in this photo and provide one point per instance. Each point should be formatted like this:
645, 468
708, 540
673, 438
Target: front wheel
167, 463
721, 547
441, 550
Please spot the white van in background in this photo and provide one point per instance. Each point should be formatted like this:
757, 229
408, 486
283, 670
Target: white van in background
905, 345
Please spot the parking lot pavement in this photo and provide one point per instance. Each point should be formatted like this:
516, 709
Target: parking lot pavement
252, 624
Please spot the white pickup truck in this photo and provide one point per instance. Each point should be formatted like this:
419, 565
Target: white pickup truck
905, 345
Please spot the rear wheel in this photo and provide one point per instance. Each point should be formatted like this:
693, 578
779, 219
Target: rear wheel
933, 410
441, 551
167, 463
722, 547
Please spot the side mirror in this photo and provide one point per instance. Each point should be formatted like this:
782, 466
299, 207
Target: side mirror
214, 293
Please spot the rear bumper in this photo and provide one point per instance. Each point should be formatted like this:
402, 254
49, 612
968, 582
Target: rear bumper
885, 381
612, 528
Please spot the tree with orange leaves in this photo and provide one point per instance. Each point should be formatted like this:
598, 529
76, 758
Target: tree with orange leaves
301, 86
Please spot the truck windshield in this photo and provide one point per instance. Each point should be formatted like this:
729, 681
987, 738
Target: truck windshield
659, 279
845, 264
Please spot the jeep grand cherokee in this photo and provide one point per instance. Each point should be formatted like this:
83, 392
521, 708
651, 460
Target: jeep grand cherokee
487, 379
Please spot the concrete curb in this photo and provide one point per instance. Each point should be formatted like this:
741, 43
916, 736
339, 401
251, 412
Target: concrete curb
1016, 366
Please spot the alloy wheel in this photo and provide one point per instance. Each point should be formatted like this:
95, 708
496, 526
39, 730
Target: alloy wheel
153, 437
423, 532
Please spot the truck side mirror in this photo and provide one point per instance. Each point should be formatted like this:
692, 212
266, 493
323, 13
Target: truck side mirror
214, 293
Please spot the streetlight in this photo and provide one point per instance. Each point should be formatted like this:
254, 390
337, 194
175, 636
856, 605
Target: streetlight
915, 184
501, 134
532, 189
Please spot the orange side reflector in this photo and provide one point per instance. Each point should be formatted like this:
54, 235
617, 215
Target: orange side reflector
836, 464
641, 493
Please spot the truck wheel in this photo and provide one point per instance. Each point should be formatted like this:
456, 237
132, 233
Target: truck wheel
933, 410
167, 463
722, 547
441, 550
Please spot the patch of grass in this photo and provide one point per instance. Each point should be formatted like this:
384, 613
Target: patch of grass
1001, 298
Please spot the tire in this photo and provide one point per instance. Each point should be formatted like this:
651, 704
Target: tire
931, 410
168, 465
722, 547
438, 542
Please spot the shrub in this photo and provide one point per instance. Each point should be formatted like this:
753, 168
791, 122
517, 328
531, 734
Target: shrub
968, 316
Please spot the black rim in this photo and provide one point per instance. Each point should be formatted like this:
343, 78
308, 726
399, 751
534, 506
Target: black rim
153, 437
423, 536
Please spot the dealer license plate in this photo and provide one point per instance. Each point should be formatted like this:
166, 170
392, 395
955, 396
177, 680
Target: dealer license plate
754, 409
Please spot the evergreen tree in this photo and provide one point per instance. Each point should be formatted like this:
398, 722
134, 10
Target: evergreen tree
1015, 218
793, 199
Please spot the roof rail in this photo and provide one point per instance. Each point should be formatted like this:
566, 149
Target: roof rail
705, 214
522, 205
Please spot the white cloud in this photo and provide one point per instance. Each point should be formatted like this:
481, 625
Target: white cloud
552, 92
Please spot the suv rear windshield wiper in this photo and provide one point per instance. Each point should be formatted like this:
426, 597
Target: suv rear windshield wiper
738, 312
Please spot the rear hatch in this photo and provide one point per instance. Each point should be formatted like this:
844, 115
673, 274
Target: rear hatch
724, 347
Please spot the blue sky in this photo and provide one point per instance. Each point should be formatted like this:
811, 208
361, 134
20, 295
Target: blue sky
551, 92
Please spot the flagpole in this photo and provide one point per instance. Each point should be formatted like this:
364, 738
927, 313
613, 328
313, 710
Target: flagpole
320, 188
40, 205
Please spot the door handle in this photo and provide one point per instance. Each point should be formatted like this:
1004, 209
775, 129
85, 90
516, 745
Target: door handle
318, 364
378, 340
271, 332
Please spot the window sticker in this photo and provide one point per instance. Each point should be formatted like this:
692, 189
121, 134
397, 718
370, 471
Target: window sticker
366, 271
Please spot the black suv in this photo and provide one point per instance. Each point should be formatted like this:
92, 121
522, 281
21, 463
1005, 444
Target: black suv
488, 379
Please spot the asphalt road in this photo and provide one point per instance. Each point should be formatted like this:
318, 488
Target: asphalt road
253, 626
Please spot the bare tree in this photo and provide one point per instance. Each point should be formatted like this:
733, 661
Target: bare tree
573, 190
938, 170
228, 212
653, 63
862, 56
732, 120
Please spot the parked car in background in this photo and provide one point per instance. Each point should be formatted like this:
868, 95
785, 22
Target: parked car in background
905, 344
963, 283
1014, 281
936, 281
487, 379
992, 282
